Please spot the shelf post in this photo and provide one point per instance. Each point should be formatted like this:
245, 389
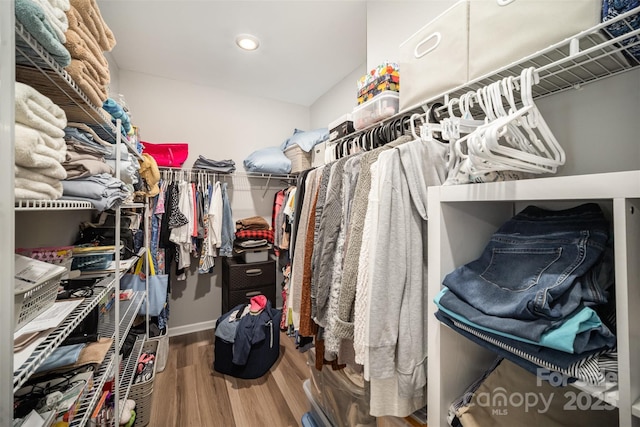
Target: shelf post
7, 202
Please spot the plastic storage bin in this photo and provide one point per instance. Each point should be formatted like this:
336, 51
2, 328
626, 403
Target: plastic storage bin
300, 159
163, 349
505, 31
378, 108
314, 407
142, 392
434, 59
35, 288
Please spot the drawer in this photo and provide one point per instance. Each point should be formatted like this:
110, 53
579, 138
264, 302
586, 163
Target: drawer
237, 275
434, 59
231, 298
504, 31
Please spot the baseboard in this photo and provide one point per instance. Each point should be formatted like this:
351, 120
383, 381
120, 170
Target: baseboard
195, 327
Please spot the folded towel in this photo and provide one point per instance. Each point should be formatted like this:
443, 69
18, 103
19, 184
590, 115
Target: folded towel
85, 49
30, 144
58, 145
48, 176
36, 190
92, 18
63, 5
35, 110
79, 73
57, 18
94, 353
34, 20
117, 112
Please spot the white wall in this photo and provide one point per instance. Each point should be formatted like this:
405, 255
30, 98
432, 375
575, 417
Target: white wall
339, 100
114, 73
218, 125
391, 22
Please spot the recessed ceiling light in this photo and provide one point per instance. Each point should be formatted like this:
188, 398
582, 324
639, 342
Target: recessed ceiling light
247, 42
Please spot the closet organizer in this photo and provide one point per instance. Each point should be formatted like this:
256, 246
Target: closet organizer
25, 60
462, 219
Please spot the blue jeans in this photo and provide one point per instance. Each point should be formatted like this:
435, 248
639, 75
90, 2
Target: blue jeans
537, 265
228, 226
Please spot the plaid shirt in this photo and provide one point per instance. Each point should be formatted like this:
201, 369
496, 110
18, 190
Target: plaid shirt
255, 235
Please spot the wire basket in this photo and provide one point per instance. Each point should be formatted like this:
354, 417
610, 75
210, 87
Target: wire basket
31, 299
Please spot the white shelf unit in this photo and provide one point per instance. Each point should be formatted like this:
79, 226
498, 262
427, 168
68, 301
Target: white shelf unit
24, 60
461, 222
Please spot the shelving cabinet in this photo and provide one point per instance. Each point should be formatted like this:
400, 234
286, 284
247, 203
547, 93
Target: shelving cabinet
461, 222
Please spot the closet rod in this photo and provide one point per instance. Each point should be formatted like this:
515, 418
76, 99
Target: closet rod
250, 175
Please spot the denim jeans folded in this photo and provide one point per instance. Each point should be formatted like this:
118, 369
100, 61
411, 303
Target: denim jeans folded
536, 265
581, 332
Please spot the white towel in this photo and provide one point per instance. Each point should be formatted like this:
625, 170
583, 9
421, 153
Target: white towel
63, 5
32, 153
29, 184
29, 140
57, 144
56, 18
33, 190
35, 110
48, 176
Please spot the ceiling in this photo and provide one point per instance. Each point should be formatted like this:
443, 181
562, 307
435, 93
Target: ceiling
306, 46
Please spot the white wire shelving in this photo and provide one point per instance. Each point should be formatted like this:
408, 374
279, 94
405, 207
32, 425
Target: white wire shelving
36, 67
589, 56
22, 373
107, 329
52, 205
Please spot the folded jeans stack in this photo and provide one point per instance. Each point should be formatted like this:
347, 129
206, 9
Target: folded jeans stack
217, 166
533, 293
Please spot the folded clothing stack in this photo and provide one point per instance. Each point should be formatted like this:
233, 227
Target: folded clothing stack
102, 190
45, 20
217, 166
532, 295
253, 233
87, 38
40, 148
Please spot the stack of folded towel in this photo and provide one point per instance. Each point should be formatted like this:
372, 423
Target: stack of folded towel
47, 22
40, 148
87, 38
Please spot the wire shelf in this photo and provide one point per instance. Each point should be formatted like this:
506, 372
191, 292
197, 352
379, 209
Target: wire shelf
53, 340
126, 380
37, 68
107, 329
589, 56
60, 205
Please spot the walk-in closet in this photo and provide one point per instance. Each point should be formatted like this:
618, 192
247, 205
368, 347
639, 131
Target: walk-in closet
320, 213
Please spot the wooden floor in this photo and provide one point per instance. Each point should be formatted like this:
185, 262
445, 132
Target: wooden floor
190, 393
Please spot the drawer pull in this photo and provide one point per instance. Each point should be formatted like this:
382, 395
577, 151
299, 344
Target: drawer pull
252, 293
254, 272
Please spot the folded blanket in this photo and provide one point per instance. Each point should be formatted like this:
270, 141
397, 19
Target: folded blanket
80, 165
56, 144
80, 74
92, 18
35, 110
83, 49
34, 20
36, 190
56, 18
103, 191
30, 145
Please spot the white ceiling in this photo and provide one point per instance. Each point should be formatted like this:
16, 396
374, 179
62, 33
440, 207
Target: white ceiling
306, 46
